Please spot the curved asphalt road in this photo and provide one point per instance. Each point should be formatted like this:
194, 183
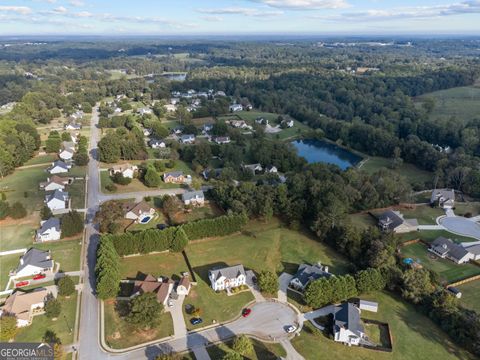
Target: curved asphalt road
461, 226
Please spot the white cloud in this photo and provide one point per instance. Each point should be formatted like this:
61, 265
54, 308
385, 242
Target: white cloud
23, 10
304, 4
241, 11
60, 10
413, 12
83, 14
212, 18
77, 3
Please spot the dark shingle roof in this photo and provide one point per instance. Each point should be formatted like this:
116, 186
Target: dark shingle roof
36, 257
390, 220
50, 223
446, 246
348, 317
229, 272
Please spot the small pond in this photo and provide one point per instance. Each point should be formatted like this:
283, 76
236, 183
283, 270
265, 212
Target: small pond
319, 151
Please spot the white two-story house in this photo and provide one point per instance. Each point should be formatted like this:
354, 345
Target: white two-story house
227, 277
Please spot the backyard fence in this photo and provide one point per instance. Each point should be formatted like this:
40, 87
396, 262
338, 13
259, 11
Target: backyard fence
464, 281
388, 346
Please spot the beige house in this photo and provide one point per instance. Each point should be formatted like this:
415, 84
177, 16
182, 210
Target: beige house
25, 305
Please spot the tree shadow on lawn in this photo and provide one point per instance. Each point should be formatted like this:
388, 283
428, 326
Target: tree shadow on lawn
202, 271
420, 328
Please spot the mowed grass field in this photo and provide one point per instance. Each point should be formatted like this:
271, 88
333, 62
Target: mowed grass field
65, 252
461, 102
63, 326
446, 269
470, 295
17, 236
121, 334
414, 337
23, 186
413, 174
431, 235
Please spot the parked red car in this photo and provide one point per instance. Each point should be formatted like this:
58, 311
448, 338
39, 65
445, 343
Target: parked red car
39, 276
22, 283
246, 312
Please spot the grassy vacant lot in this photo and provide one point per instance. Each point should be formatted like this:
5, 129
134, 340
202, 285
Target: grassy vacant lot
61, 326
411, 172
470, 292
430, 235
65, 252
17, 236
22, 186
414, 337
120, 334
262, 351
446, 269
77, 171
77, 193
461, 102
7, 262
425, 214
462, 208
265, 246
42, 159
362, 221
165, 264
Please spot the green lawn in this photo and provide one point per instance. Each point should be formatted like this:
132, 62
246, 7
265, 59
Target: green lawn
362, 221
77, 193
425, 214
42, 159
461, 102
120, 334
208, 211
470, 293
446, 269
16, 236
67, 253
7, 263
77, 171
262, 351
61, 326
414, 337
463, 208
22, 186
414, 174
165, 264
158, 219
430, 235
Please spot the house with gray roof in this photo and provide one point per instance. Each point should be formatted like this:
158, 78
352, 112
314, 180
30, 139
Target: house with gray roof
306, 274
193, 198
447, 249
253, 167
33, 262
347, 325
58, 200
175, 177
49, 230
443, 198
187, 139
58, 167
393, 221
227, 277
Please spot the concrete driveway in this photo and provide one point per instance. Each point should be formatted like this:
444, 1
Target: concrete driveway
179, 327
284, 280
461, 226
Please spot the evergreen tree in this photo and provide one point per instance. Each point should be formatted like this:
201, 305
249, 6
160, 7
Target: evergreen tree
180, 240
8, 327
145, 310
152, 178
45, 213
72, 224
268, 282
66, 286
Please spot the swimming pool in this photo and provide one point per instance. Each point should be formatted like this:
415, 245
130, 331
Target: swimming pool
146, 219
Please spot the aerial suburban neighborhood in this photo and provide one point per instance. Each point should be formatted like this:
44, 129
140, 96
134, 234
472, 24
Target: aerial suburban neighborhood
173, 194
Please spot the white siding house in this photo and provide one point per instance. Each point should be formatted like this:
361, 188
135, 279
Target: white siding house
227, 278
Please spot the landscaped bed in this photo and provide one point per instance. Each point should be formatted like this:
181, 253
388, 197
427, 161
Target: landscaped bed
414, 336
446, 269
120, 334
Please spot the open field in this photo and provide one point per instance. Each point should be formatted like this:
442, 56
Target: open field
17, 236
461, 102
470, 295
120, 334
42, 159
63, 326
414, 337
22, 185
462, 208
413, 174
65, 252
262, 351
447, 270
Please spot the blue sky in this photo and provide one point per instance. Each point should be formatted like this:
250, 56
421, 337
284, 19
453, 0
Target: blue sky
166, 17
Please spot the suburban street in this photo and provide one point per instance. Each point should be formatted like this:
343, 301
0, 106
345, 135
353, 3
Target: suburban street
268, 319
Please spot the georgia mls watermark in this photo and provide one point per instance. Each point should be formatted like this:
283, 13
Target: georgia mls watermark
26, 351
